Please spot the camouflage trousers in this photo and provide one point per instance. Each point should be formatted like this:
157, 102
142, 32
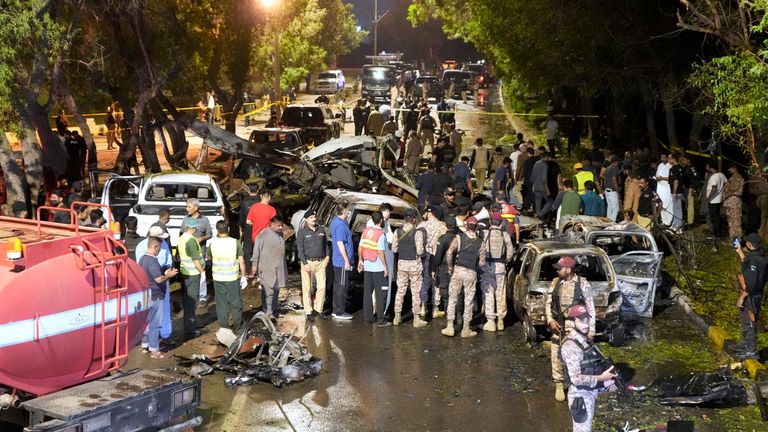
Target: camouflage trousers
461, 279
494, 295
557, 365
408, 280
589, 397
733, 215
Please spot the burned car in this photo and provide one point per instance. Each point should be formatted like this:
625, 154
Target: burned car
532, 273
292, 140
637, 262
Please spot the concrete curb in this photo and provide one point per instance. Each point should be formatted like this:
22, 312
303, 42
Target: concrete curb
717, 335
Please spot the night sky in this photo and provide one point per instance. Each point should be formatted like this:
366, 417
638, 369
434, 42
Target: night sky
364, 11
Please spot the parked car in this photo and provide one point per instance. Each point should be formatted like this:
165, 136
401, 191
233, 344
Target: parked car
531, 275
461, 80
329, 81
482, 76
146, 196
285, 139
319, 123
433, 86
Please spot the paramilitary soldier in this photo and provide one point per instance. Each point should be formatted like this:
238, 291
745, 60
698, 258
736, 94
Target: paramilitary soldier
753, 274
410, 245
497, 248
463, 271
566, 290
433, 228
586, 369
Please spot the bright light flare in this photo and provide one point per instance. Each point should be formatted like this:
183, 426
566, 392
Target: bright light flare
268, 3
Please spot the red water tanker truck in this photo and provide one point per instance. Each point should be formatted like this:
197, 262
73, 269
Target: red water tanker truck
72, 305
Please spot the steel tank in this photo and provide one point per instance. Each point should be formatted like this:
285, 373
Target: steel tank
60, 324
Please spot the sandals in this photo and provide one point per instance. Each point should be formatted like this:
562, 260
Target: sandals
159, 355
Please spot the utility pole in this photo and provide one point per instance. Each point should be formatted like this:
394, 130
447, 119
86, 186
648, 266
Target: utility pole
376, 19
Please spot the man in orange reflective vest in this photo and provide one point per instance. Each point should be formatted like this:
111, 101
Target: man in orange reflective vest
373, 265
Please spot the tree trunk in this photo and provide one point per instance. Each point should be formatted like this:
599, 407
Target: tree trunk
649, 103
149, 150
697, 125
33, 163
14, 178
669, 112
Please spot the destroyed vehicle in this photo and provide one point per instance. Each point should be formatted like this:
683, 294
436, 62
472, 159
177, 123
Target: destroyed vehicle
361, 206
290, 140
319, 123
637, 263
118, 192
531, 275
583, 224
144, 197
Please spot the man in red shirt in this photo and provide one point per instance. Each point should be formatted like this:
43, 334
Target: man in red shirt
261, 213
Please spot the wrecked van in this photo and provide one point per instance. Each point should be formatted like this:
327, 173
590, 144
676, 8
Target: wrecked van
532, 272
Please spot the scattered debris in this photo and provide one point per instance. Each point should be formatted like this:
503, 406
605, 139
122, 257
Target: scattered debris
258, 353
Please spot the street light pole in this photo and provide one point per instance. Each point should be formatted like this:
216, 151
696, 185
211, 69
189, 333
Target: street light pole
276, 71
375, 27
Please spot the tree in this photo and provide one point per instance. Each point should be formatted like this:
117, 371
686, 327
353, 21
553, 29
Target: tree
735, 85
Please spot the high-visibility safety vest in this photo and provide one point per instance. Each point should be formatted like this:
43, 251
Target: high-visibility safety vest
187, 264
225, 266
582, 177
369, 243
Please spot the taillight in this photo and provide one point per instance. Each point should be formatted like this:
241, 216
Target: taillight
183, 398
14, 249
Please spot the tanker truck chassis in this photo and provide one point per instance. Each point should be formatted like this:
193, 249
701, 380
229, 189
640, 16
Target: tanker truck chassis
133, 401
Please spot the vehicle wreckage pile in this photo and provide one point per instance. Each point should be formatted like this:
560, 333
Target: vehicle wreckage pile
259, 353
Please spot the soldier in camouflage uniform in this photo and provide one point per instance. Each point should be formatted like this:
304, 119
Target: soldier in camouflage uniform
581, 359
567, 289
434, 228
463, 271
497, 249
732, 192
409, 242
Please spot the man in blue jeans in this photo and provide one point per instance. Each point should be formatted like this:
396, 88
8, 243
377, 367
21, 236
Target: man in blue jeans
157, 278
343, 258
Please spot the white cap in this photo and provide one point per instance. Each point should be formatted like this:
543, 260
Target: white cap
398, 134
156, 231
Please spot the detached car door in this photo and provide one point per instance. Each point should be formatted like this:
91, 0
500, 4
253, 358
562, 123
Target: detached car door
637, 273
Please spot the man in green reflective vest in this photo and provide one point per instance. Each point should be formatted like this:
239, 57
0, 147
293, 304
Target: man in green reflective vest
191, 268
228, 271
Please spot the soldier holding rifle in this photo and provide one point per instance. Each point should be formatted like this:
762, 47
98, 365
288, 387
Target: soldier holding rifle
751, 280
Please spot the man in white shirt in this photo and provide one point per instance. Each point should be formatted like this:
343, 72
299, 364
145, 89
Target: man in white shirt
210, 105
552, 130
714, 197
664, 191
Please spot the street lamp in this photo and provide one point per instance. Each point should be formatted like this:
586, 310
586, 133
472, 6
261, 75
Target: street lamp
271, 5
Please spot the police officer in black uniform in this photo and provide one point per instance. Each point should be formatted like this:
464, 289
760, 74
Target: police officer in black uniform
753, 270
439, 265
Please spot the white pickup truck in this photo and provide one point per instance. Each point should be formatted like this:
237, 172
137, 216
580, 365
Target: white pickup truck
145, 196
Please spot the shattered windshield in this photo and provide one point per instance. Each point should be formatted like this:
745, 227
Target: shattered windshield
641, 266
617, 244
590, 267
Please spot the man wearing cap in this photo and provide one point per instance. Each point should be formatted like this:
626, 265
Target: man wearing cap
581, 178
229, 276
191, 261
566, 290
463, 271
434, 228
203, 232
312, 246
510, 215
158, 277
448, 206
269, 265
582, 361
495, 251
753, 272
165, 258
410, 245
